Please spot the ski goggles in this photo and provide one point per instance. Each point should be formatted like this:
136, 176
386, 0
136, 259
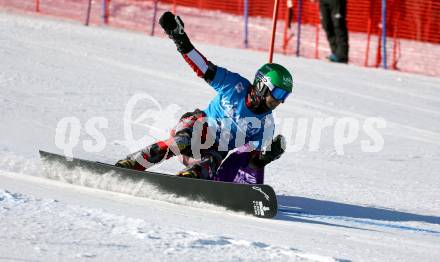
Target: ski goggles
263, 84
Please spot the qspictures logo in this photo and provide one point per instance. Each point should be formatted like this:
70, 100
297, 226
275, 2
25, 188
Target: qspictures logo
155, 121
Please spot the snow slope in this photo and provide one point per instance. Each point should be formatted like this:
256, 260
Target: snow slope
382, 206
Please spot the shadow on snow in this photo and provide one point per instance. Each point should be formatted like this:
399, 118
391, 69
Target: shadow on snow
303, 209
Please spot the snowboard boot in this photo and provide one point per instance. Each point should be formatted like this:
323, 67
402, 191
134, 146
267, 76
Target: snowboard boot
206, 168
190, 172
336, 59
129, 164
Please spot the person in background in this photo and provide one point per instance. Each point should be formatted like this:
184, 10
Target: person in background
333, 20
289, 13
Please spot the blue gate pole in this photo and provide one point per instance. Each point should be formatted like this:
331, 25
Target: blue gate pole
246, 23
298, 37
384, 33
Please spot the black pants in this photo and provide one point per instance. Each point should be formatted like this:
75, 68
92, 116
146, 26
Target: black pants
180, 143
333, 14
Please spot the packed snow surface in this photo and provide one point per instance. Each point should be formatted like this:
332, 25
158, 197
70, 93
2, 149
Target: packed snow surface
336, 203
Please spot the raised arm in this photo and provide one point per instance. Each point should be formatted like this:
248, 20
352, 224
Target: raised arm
174, 28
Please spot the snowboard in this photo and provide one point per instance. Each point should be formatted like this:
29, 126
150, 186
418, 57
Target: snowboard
258, 200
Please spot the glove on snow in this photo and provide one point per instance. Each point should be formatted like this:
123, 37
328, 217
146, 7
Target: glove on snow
276, 150
173, 27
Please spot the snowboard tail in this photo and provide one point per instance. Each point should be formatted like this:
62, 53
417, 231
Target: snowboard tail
258, 200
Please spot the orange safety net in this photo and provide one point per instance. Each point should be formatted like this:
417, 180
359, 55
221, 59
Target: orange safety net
415, 19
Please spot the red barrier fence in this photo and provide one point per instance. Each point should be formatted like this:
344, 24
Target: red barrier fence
413, 19
412, 26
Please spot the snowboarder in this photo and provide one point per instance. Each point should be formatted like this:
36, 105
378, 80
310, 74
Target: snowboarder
240, 111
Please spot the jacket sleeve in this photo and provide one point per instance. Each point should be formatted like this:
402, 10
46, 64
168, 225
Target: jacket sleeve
200, 65
217, 77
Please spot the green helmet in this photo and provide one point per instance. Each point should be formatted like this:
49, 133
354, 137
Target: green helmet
276, 78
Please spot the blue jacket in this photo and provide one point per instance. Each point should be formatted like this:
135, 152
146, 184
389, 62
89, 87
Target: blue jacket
235, 124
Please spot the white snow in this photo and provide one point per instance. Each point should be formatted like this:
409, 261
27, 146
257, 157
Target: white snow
53, 230
359, 206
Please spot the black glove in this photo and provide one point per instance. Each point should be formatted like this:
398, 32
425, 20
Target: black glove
276, 150
173, 27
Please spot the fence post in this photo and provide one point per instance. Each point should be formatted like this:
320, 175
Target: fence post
317, 29
367, 51
317, 42
89, 8
369, 28
274, 28
105, 12
395, 21
286, 26
153, 23
395, 47
246, 23
384, 33
379, 48
298, 37
427, 30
